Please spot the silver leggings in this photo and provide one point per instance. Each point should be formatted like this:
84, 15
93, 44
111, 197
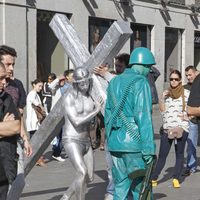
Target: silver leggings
81, 157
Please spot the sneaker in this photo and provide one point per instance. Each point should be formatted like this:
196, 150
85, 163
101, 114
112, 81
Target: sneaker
154, 183
176, 183
108, 196
58, 158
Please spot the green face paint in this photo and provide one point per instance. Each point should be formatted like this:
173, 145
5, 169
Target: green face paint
146, 70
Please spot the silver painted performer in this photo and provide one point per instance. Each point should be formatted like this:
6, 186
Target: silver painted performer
79, 108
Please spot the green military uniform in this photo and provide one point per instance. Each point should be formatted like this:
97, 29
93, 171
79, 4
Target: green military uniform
129, 130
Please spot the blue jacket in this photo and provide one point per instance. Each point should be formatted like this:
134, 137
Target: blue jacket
130, 129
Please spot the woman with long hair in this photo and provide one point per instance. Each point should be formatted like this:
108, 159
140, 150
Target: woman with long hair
32, 122
172, 105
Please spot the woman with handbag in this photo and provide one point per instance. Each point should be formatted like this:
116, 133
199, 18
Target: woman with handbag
172, 105
33, 114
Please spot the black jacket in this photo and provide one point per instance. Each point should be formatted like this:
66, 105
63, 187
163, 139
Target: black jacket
8, 145
152, 77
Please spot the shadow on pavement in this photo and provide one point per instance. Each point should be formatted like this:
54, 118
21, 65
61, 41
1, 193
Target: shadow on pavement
159, 196
41, 192
103, 174
168, 175
96, 191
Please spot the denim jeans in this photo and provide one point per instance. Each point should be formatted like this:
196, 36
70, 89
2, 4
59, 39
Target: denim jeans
57, 145
165, 145
111, 186
191, 146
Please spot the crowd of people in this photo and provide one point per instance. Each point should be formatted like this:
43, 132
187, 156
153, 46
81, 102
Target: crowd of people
128, 141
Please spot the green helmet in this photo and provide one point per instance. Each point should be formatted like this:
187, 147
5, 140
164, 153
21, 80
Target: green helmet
142, 56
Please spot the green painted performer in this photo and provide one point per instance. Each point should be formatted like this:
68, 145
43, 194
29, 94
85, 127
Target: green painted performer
128, 123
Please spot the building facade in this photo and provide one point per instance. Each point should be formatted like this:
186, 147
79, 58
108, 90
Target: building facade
170, 28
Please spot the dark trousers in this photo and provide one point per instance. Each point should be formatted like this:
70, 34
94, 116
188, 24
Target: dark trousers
165, 145
3, 190
32, 133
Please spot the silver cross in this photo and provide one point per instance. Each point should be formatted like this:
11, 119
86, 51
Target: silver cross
106, 50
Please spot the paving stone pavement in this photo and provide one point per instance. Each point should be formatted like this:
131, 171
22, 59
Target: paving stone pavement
51, 182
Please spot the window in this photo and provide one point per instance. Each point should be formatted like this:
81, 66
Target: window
97, 29
50, 53
141, 36
197, 50
173, 50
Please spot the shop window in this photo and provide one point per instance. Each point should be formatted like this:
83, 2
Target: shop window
197, 50
97, 29
173, 51
141, 36
50, 53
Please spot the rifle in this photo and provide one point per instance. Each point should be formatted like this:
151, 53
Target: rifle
146, 187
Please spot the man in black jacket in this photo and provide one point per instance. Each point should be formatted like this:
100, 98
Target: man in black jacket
15, 89
192, 140
9, 127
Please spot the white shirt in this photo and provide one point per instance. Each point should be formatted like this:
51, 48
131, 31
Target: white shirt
173, 110
32, 123
56, 92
